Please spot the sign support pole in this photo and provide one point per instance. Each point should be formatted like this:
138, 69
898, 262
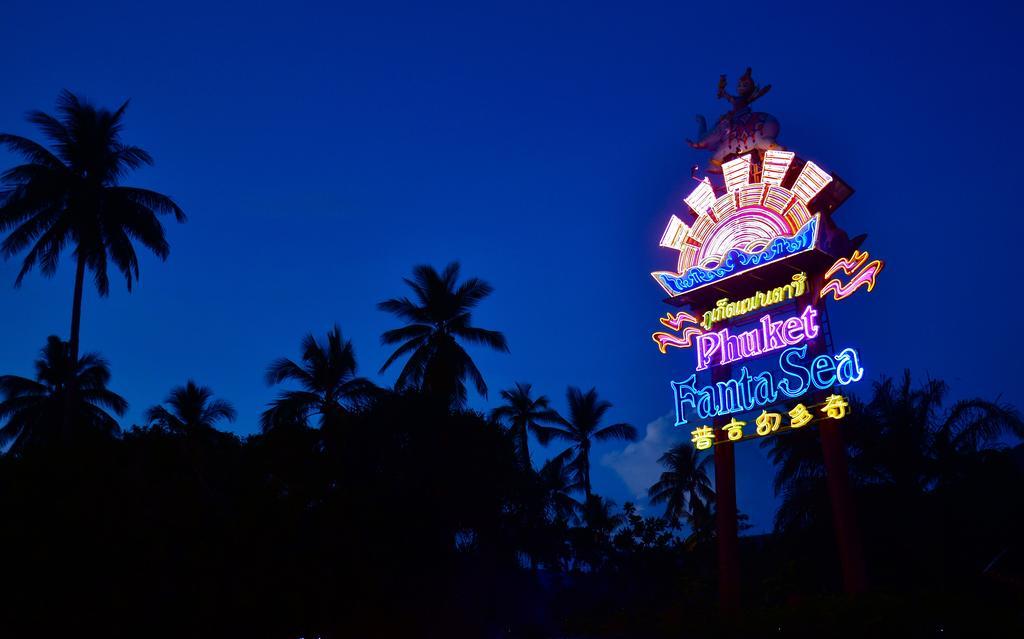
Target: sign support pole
726, 513
844, 518
851, 554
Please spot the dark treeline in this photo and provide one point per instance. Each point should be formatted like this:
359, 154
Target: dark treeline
366, 511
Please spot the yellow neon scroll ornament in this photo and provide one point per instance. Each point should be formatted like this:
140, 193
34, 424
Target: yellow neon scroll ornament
858, 269
675, 322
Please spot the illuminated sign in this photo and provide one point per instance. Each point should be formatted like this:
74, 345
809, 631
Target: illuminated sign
760, 214
860, 274
724, 309
675, 322
750, 225
770, 335
767, 423
737, 261
795, 377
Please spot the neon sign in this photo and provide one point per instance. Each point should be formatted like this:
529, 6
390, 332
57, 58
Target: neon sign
860, 274
724, 309
770, 335
748, 391
675, 322
751, 224
764, 211
737, 261
767, 423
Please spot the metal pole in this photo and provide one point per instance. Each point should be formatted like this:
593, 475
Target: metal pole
725, 511
844, 516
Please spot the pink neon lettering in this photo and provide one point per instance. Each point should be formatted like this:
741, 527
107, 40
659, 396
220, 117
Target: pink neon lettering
722, 347
750, 344
807, 317
730, 346
773, 339
707, 345
794, 330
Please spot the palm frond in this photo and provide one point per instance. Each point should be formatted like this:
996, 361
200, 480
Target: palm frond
616, 431
283, 369
32, 151
411, 345
494, 339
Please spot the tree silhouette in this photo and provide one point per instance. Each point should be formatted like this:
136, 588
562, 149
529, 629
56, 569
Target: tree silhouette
38, 413
599, 515
72, 197
192, 410
327, 375
438, 318
902, 439
926, 443
684, 487
558, 481
526, 415
592, 541
582, 428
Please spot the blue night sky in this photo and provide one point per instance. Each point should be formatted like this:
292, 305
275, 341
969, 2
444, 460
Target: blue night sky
321, 152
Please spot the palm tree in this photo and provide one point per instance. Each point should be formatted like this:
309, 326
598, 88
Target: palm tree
926, 444
557, 482
700, 517
65, 391
547, 510
327, 375
592, 541
901, 439
193, 411
685, 485
599, 515
72, 197
583, 428
526, 415
437, 319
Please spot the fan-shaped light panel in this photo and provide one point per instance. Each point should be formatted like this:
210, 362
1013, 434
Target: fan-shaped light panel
736, 173
776, 164
702, 198
750, 224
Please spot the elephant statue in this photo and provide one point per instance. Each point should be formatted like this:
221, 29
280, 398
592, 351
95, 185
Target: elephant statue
740, 130
738, 134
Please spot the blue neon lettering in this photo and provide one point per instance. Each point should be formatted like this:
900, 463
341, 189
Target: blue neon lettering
684, 393
797, 379
747, 392
823, 371
848, 368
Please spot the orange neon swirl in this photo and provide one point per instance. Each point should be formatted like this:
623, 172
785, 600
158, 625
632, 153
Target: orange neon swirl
848, 266
664, 340
860, 274
675, 322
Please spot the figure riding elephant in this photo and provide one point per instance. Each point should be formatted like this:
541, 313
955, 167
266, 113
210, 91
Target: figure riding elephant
736, 134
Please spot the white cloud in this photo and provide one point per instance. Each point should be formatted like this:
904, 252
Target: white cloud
637, 464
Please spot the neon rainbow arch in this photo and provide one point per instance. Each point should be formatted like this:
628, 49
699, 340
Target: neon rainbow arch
752, 224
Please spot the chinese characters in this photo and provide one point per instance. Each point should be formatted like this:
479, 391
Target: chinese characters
835, 407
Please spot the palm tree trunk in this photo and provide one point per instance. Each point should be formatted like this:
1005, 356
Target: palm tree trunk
76, 307
76, 322
524, 447
585, 468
